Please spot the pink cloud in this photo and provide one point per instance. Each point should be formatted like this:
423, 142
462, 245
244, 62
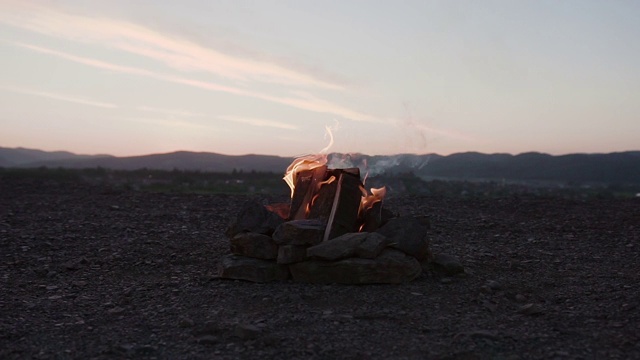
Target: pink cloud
306, 102
58, 96
259, 122
175, 52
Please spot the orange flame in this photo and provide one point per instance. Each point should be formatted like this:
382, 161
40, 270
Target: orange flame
308, 162
282, 209
327, 182
377, 194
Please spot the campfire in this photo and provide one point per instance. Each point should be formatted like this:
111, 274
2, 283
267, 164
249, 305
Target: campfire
337, 197
332, 231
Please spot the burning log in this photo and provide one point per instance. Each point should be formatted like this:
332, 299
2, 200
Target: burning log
337, 203
308, 181
331, 195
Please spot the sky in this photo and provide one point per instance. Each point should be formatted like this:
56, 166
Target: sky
134, 77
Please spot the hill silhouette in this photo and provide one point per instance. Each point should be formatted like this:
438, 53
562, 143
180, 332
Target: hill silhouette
612, 168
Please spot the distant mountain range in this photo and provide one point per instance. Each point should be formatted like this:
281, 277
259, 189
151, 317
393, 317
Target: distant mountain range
619, 168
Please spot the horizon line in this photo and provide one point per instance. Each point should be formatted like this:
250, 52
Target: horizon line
335, 152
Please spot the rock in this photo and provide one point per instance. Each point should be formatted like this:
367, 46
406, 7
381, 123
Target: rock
424, 220
185, 323
145, 350
485, 289
254, 245
409, 235
390, 267
300, 232
208, 340
289, 254
494, 285
531, 309
372, 245
254, 217
446, 264
362, 245
337, 248
116, 310
246, 331
75, 264
375, 217
251, 269
208, 328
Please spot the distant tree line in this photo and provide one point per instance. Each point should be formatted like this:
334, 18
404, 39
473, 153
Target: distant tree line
256, 182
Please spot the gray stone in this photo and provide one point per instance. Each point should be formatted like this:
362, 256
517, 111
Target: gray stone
391, 267
254, 217
75, 264
208, 340
363, 245
246, 331
299, 232
341, 247
372, 245
531, 309
254, 245
251, 269
289, 254
408, 234
494, 285
185, 323
446, 264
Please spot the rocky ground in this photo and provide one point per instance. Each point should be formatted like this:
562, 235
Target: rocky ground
95, 272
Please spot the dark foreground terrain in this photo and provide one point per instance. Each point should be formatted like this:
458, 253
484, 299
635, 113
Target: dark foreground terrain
96, 272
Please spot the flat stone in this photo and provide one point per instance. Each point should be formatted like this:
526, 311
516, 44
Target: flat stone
341, 247
208, 340
531, 309
300, 232
251, 269
254, 245
246, 331
75, 264
372, 245
289, 254
254, 217
390, 267
363, 245
409, 235
446, 264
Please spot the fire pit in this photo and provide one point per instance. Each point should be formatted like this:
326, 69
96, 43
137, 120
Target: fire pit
332, 231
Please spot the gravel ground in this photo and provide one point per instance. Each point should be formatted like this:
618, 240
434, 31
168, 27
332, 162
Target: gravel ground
93, 272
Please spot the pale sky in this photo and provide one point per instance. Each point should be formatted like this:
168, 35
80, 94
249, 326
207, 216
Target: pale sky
133, 77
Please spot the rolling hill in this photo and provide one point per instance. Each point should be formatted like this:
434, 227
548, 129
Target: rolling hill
621, 167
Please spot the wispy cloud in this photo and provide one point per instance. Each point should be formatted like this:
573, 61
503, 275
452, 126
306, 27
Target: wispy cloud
175, 52
60, 97
258, 122
170, 123
169, 112
302, 101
